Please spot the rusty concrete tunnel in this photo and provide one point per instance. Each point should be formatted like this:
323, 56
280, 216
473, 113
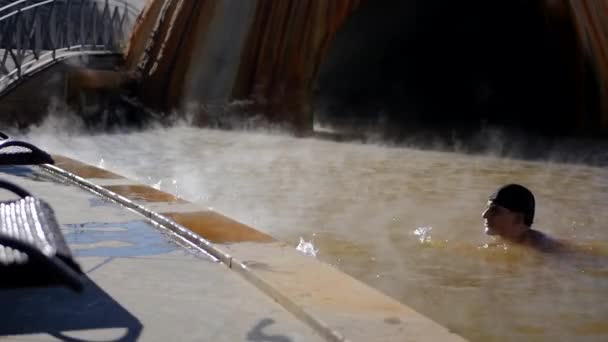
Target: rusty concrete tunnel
426, 64
538, 65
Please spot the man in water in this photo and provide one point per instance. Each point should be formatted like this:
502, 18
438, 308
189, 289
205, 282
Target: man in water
510, 214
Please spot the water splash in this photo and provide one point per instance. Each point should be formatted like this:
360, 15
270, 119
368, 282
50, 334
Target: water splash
307, 248
157, 185
423, 234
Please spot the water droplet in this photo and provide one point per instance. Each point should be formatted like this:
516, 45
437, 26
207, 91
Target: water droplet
423, 233
157, 185
307, 248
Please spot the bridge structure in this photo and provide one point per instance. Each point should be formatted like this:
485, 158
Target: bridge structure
36, 34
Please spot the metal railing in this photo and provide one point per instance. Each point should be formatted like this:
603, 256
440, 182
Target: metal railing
37, 33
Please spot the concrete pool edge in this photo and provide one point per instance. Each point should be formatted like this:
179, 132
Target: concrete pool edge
334, 304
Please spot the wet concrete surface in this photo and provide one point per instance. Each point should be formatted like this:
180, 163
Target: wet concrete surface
87, 171
303, 286
218, 228
140, 282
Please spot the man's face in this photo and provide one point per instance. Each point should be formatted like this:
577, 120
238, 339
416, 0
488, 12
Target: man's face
500, 220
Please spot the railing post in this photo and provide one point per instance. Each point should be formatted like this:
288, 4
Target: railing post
106, 19
17, 58
37, 34
68, 19
82, 29
94, 20
123, 21
53, 28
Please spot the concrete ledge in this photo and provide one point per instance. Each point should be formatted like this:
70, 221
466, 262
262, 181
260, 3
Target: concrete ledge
336, 305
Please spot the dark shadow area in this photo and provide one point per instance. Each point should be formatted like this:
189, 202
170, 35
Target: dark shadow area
504, 143
55, 311
257, 333
442, 66
96, 110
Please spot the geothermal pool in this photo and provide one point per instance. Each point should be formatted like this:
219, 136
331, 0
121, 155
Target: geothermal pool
404, 220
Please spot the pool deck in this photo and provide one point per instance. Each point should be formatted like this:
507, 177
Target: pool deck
168, 269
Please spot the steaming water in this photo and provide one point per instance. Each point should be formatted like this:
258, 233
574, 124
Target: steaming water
403, 220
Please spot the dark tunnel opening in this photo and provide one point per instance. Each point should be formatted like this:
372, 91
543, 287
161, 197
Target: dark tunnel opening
406, 65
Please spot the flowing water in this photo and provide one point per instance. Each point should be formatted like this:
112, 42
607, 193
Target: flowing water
405, 221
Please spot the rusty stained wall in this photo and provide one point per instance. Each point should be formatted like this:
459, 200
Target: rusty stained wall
267, 51
283, 53
590, 18
584, 22
158, 48
214, 51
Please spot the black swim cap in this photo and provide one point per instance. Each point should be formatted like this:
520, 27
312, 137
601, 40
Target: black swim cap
516, 198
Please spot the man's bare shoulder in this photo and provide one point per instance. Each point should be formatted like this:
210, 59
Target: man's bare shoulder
545, 243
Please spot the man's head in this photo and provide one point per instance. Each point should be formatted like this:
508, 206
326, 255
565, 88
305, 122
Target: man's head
510, 211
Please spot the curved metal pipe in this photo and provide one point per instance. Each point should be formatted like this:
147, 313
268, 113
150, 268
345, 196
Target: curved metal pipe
17, 190
44, 157
56, 266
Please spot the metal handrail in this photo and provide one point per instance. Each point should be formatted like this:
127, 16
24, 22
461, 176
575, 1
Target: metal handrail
23, 9
132, 10
34, 33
